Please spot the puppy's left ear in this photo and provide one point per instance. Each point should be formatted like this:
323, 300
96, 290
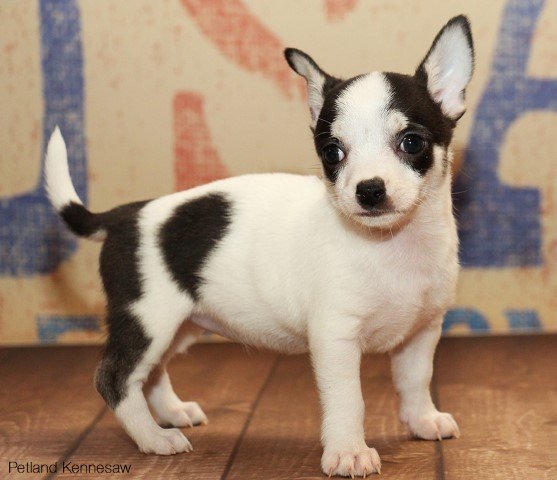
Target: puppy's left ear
448, 66
318, 81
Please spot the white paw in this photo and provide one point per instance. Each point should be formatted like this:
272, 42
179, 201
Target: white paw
358, 463
182, 414
194, 412
165, 442
434, 426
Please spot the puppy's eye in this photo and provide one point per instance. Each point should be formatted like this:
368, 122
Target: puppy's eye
332, 154
412, 144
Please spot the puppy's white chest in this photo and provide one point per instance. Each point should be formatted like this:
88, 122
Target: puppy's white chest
407, 293
394, 313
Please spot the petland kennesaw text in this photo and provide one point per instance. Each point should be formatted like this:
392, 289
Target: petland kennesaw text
68, 467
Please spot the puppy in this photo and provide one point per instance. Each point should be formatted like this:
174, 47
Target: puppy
364, 260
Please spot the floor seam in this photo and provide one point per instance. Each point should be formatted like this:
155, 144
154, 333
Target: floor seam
79, 440
247, 423
440, 466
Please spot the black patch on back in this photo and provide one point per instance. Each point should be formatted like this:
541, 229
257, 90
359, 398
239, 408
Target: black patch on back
80, 220
190, 235
322, 134
119, 270
411, 97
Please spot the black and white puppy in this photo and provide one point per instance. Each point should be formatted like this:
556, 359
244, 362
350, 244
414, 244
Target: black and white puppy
363, 261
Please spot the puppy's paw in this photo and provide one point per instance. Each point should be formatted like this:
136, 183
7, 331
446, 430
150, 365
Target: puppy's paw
181, 414
165, 442
435, 426
194, 412
357, 463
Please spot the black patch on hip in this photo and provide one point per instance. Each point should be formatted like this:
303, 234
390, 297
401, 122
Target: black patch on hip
119, 260
190, 235
127, 340
411, 97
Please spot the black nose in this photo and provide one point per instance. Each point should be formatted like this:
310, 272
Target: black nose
370, 193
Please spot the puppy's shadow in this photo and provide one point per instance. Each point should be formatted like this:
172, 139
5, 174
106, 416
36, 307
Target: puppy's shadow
299, 457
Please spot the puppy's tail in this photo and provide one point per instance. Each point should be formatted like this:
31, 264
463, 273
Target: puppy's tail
62, 194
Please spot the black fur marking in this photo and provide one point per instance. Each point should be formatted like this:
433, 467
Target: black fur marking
80, 220
190, 235
127, 340
322, 133
119, 262
412, 99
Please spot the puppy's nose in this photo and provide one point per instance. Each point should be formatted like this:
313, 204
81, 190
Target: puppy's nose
370, 193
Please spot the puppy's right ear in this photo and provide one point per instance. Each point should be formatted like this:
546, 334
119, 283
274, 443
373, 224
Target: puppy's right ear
318, 81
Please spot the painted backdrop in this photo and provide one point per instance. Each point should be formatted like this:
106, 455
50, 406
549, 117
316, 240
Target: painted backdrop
154, 97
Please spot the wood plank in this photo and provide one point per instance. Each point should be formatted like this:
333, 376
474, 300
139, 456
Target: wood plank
47, 400
225, 380
503, 393
282, 440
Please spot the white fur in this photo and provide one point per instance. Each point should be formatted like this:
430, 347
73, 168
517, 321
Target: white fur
59, 184
449, 69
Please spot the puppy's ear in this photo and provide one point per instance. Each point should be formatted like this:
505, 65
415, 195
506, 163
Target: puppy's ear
318, 81
448, 66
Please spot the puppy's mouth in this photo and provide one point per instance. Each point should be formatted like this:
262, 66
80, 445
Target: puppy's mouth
378, 212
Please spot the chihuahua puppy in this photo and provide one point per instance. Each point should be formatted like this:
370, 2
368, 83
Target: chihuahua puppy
364, 260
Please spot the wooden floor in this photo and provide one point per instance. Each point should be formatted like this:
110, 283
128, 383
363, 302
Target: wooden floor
264, 416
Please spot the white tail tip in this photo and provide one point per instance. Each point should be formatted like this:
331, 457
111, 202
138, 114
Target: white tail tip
59, 184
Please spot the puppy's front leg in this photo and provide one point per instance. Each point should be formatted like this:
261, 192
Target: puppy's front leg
412, 366
337, 369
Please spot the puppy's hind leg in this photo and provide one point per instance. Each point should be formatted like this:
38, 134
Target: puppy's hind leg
131, 354
167, 407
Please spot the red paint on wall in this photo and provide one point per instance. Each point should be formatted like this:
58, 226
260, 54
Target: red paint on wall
196, 159
240, 36
337, 9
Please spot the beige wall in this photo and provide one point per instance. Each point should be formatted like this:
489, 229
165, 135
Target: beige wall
179, 92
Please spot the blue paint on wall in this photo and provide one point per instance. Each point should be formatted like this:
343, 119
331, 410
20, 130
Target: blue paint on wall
523, 320
32, 237
499, 224
467, 317
50, 327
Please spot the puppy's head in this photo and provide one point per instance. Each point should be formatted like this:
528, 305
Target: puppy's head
383, 138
